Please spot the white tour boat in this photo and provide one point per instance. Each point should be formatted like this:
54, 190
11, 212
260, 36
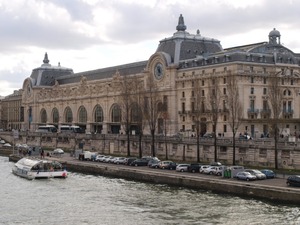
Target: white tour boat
34, 168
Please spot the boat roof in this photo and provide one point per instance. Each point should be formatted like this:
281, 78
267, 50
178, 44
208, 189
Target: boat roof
30, 162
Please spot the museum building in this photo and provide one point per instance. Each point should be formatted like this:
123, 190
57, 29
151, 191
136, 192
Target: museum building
56, 95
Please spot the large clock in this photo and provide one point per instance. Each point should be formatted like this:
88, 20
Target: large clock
158, 71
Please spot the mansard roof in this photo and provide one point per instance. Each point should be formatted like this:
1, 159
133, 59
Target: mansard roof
46, 74
183, 45
271, 52
126, 69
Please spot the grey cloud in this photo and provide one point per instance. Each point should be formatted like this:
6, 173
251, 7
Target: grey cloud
77, 9
139, 22
13, 78
25, 28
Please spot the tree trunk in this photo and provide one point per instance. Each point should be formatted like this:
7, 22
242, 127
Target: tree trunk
128, 142
153, 142
198, 147
140, 146
276, 148
233, 145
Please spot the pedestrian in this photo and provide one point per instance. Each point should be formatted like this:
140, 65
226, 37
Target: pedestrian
42, 154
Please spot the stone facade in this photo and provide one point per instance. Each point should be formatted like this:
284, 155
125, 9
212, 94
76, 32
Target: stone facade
56, 95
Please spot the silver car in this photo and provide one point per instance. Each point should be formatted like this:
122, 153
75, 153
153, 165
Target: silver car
182, 167
259, 175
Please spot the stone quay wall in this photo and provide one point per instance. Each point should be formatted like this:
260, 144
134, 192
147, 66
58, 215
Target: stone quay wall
258, 152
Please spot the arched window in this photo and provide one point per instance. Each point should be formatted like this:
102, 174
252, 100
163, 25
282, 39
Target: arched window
55, 115
82, 115
116, 114
43, 116
68, 115
98, 114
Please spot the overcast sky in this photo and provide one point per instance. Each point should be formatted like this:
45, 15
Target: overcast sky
92, 34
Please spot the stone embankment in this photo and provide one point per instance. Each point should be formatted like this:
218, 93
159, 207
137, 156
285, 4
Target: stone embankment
274, 191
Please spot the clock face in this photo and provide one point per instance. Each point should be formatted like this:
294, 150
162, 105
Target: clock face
159, 71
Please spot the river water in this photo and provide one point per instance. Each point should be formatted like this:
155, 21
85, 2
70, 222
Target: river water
88, 199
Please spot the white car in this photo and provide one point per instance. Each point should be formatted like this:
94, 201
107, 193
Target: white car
98, 158
209, 170
58, 151
218, 170
202, 168
258, 174
119, 160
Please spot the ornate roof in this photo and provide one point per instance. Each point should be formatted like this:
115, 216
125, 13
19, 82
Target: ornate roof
46, 74
183, 45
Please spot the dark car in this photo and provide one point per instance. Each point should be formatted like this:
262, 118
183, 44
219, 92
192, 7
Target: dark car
128, 161
167, 165
139, 162
269, 173
153, 163
293, 180
194, 167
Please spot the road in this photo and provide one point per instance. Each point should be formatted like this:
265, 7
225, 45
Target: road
279, 181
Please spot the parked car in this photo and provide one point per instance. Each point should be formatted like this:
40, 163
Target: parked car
209, 170
209, 135
167, 165
259, 175
245, 137
106, 159
218, 170
139, 162
269, 173
119, 160
245, 176
293, 180
216, 164
182, 167
150, 158
98, 158
128, 161
203, 167
194, 167
58, 151
153, 163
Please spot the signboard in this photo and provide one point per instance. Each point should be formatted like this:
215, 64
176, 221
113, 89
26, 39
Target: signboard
16, 134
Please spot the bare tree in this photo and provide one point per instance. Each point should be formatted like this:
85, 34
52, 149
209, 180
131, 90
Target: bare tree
214, 102
137, 109
197, 110
125, 101
151, 108
235, 107
275, 97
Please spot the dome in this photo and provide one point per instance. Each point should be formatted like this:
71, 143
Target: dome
274, 32
274, 37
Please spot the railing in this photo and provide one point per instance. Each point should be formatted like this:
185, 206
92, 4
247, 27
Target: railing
252, 110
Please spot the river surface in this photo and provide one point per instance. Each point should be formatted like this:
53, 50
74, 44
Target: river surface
88, 199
